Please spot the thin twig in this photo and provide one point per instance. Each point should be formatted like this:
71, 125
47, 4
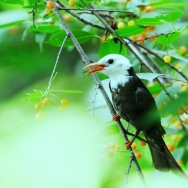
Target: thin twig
97, 10
172, 55
129, 167
54, 69
108, 102
122, 130
79, 18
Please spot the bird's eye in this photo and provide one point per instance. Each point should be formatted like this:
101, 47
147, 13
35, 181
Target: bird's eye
110, 61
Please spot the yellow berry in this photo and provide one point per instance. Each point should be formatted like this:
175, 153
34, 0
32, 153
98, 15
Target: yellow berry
131, 23
149, 9
110, 154
179, 161
185, 121
38, 106
112, 146
182, 50
65, 102
138, 155
50, 4
152, 38
120, 25
143, 143
170, 147
72, 3
167, 59
133, 146
45, 101
175, 138
118, 147
67, 17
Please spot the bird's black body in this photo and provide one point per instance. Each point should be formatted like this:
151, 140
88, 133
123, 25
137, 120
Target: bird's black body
135, 104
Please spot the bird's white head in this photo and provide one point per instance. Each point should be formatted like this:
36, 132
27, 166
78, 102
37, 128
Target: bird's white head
112, 65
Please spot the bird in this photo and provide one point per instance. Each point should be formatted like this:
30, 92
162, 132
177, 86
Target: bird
134, 103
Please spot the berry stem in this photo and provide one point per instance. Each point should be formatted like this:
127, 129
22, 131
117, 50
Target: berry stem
53, 75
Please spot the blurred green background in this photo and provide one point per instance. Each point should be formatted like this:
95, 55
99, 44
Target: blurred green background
63, 149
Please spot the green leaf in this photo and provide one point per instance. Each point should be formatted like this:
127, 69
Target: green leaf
129, 31
165, 40
68, 91
149, 76
20, 2
149, 21
45, 28
56, 39
171, 5
172, 16
111, 47
12, 23
163, 97
172, 106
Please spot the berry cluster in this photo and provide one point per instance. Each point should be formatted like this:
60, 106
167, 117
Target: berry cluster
45, 102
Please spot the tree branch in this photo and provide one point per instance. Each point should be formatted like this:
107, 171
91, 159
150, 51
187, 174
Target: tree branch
108, 102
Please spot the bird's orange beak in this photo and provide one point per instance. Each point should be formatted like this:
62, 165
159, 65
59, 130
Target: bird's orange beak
100, 67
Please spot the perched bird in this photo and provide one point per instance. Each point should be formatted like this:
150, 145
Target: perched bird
134, 103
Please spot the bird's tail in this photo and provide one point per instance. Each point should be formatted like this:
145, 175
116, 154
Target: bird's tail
161, 156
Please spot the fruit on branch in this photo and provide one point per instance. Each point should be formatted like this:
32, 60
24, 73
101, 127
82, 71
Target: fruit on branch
167, 59
179, 161
50, 5
149, 9
118, 147
142, 143
120, 25
110, 154
142, 8
175, 138
173, 119
137, 154
170, 147
140, 40
178, 66
185, 121
38, 106
67, 17
152, 38
180, 112
134, 103
134, 37
65, 102
133, 146
72, 3
45, 101
112, 146
182, 50
131, 23
150, 28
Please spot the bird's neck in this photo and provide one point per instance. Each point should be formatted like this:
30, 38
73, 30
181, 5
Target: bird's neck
119, 80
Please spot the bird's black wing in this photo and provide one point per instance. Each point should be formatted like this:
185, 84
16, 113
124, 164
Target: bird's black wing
147, 107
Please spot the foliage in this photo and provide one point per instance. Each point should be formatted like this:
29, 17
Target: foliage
163, 31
